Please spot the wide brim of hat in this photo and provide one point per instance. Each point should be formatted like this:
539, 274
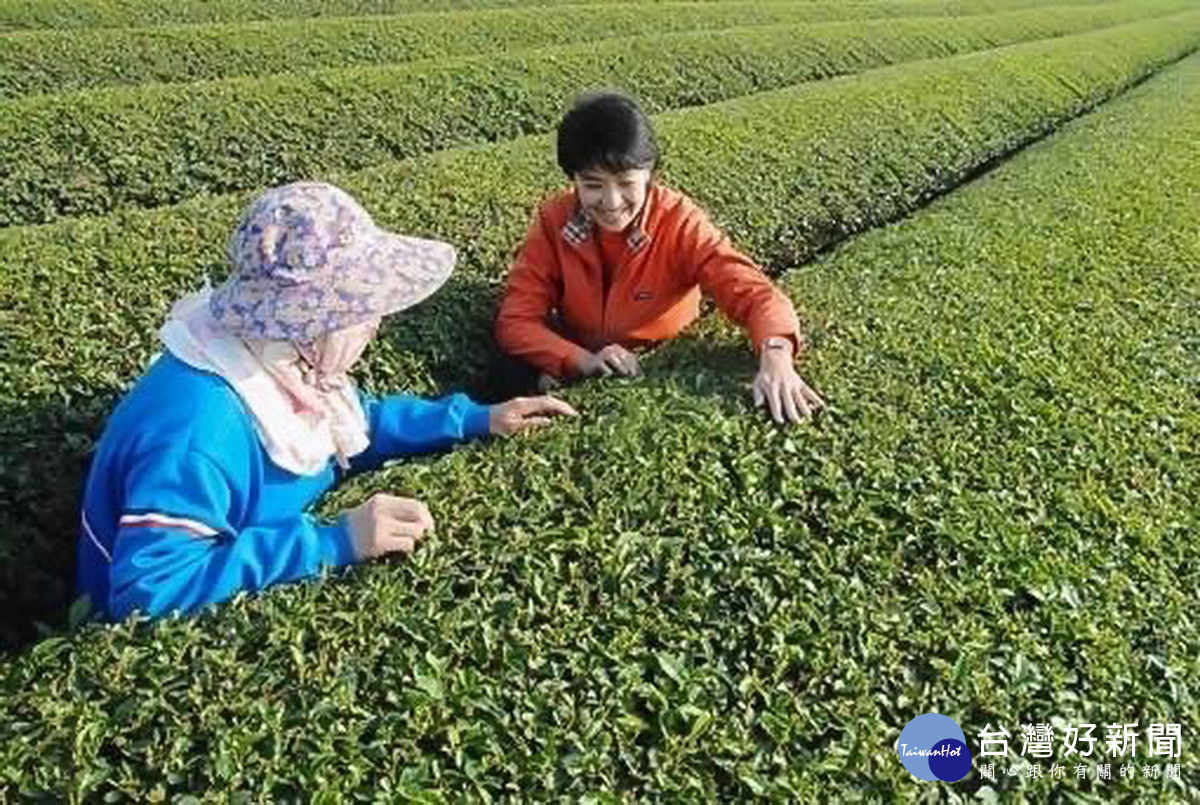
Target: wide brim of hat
421, 267
378, 274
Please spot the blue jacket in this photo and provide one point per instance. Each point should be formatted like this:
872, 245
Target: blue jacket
184, 508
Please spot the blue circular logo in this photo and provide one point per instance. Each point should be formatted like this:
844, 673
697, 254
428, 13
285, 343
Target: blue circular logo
932, 747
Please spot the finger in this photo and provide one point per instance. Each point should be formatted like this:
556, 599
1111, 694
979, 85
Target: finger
811, 397
534, 422
619, 359
382, 506
385, 501
757, 390
775, 403
613, 362
427, 519
801, 404
401, 529
413, 511
789, 405
410, 510
552, 405
398, 544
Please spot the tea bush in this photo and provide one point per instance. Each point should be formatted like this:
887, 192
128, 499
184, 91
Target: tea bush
87, 154
21, 15
55, 61
83, 299
672, 598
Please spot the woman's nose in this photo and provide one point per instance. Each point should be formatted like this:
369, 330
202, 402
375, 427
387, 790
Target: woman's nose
611, 198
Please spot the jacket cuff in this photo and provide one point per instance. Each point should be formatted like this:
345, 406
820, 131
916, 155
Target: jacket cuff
478, 420
337, 546
572, 363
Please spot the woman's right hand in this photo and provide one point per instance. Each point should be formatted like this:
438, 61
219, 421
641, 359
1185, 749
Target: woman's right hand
611, 360
386, 524
523, 413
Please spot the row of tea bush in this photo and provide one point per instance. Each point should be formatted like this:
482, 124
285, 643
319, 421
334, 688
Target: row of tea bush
149, 146
56, 61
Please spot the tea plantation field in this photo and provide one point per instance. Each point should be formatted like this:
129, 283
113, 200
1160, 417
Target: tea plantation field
986, 214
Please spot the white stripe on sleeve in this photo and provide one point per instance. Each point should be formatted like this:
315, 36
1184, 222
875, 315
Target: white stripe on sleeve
157, 520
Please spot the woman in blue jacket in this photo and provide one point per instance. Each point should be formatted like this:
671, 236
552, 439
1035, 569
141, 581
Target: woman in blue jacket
200, 483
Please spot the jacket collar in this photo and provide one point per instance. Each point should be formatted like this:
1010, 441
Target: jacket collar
578, 228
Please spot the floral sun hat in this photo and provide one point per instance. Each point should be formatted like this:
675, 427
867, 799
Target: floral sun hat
307, 260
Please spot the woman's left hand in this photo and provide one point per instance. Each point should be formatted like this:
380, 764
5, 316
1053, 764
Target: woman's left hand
781, 390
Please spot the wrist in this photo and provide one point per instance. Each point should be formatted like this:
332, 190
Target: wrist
775, 349
577, 363
341, 547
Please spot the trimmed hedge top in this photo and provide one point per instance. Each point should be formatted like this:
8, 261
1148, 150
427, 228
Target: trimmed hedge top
91, 153
55, 61
18, 15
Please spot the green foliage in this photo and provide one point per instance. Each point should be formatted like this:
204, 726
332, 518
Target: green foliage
19, 15
55, 61
674, 599
820, 161
89, 153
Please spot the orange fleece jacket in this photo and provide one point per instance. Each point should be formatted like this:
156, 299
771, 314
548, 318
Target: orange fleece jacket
673, 254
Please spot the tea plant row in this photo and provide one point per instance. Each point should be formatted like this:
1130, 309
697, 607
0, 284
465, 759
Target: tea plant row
90, 153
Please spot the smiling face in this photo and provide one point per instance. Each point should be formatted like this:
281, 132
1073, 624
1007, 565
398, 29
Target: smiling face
612, 200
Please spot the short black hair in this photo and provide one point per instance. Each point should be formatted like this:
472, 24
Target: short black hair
606, 130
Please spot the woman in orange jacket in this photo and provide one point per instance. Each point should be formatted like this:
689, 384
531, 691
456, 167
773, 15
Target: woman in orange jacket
617, 262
